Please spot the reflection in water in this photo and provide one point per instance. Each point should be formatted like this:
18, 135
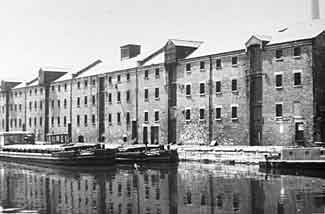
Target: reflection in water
186, 188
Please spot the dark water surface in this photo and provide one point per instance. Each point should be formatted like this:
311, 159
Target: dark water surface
157, 189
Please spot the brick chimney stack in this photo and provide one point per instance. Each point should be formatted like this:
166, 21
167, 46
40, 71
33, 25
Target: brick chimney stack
315, 9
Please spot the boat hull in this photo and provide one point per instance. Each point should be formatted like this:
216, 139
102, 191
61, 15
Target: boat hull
134, 157
49, 159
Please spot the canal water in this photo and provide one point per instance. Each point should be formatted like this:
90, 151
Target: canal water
157, 189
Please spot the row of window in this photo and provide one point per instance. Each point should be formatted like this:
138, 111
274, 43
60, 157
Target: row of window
146, 76
297, 80
234, 59
218, 115
93, 100
118, 117
128, 96
188, 87
93, 83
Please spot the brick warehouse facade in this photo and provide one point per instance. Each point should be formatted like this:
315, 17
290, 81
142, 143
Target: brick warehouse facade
270, 93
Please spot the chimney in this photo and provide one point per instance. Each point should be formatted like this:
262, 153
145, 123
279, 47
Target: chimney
315, 9
129, 51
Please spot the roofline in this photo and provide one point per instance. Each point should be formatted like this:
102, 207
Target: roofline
216, 54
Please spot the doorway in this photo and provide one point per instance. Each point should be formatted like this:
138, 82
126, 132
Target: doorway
155, 135
145, 135
299, 132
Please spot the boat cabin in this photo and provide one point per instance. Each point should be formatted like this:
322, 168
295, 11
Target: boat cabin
12, 138
57, 138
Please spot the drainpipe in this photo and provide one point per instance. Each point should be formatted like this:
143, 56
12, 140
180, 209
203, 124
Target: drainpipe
210, 100
70, 125
137, 103
25, 109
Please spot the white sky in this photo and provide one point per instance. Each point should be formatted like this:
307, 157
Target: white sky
74, 33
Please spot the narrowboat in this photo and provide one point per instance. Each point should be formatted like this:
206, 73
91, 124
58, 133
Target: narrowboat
20, 147
146, 153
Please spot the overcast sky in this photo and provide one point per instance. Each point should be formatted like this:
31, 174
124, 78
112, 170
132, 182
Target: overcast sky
73, 33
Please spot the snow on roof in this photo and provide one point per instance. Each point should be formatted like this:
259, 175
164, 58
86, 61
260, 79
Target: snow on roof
298, 31
186, 43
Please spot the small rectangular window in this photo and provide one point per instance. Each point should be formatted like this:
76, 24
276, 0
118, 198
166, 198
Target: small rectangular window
202, 116
188, 67
78, 85
218, 113
65, 103
86, 120
59, 88
234, 112
110, 80
146, 117
157, 73
156, 116
127, 118
234, 85
146, 74
65, 87
218, 87
118, 97
118, 118
128, 96
93, 119
278, 110
58, 120
86, 100
110, 97
93, 97
218, 63
156, 93
278, 80
118, 78
146, 94
188, 90
78, 102
297, 78
110, 119
64, 121
86, 83
78, 120
202, 65
202, 89
297, 51
278, 54
59, 104
127, 76
234, 60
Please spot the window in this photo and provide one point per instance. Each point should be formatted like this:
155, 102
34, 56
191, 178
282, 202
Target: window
218, 87
297, 51
59, 88
78, 85
52, 121
52, 103
40, 105
78, 102
146, 94
278, 110
65, 103
58, 120
234, 85
53, 88
297, 78
110, 119
65, 87
202, 65
110, 80
234, 115
118, 118
110, 98
157, 73
146, 117
218, 113
156, 93
118, 97
59, 104
156, 116
188, 67
278, 80
85, 100
218, 63
202, 89
30, 105
118, 78
128, 77
35, 106
40, 121
93, 119
78, 120
20, 107
34, 92
64, 121
187, 114
202, 114
146, 74
93, 99
35, 121
86, 83
188, 90
128, 96
234, 60
19, 122
86, 120
278, 54
94, 82
127, 118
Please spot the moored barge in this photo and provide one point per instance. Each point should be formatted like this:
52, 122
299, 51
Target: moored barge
17, 146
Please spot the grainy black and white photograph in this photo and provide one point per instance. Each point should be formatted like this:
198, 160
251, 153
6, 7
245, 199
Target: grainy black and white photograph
162, 107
